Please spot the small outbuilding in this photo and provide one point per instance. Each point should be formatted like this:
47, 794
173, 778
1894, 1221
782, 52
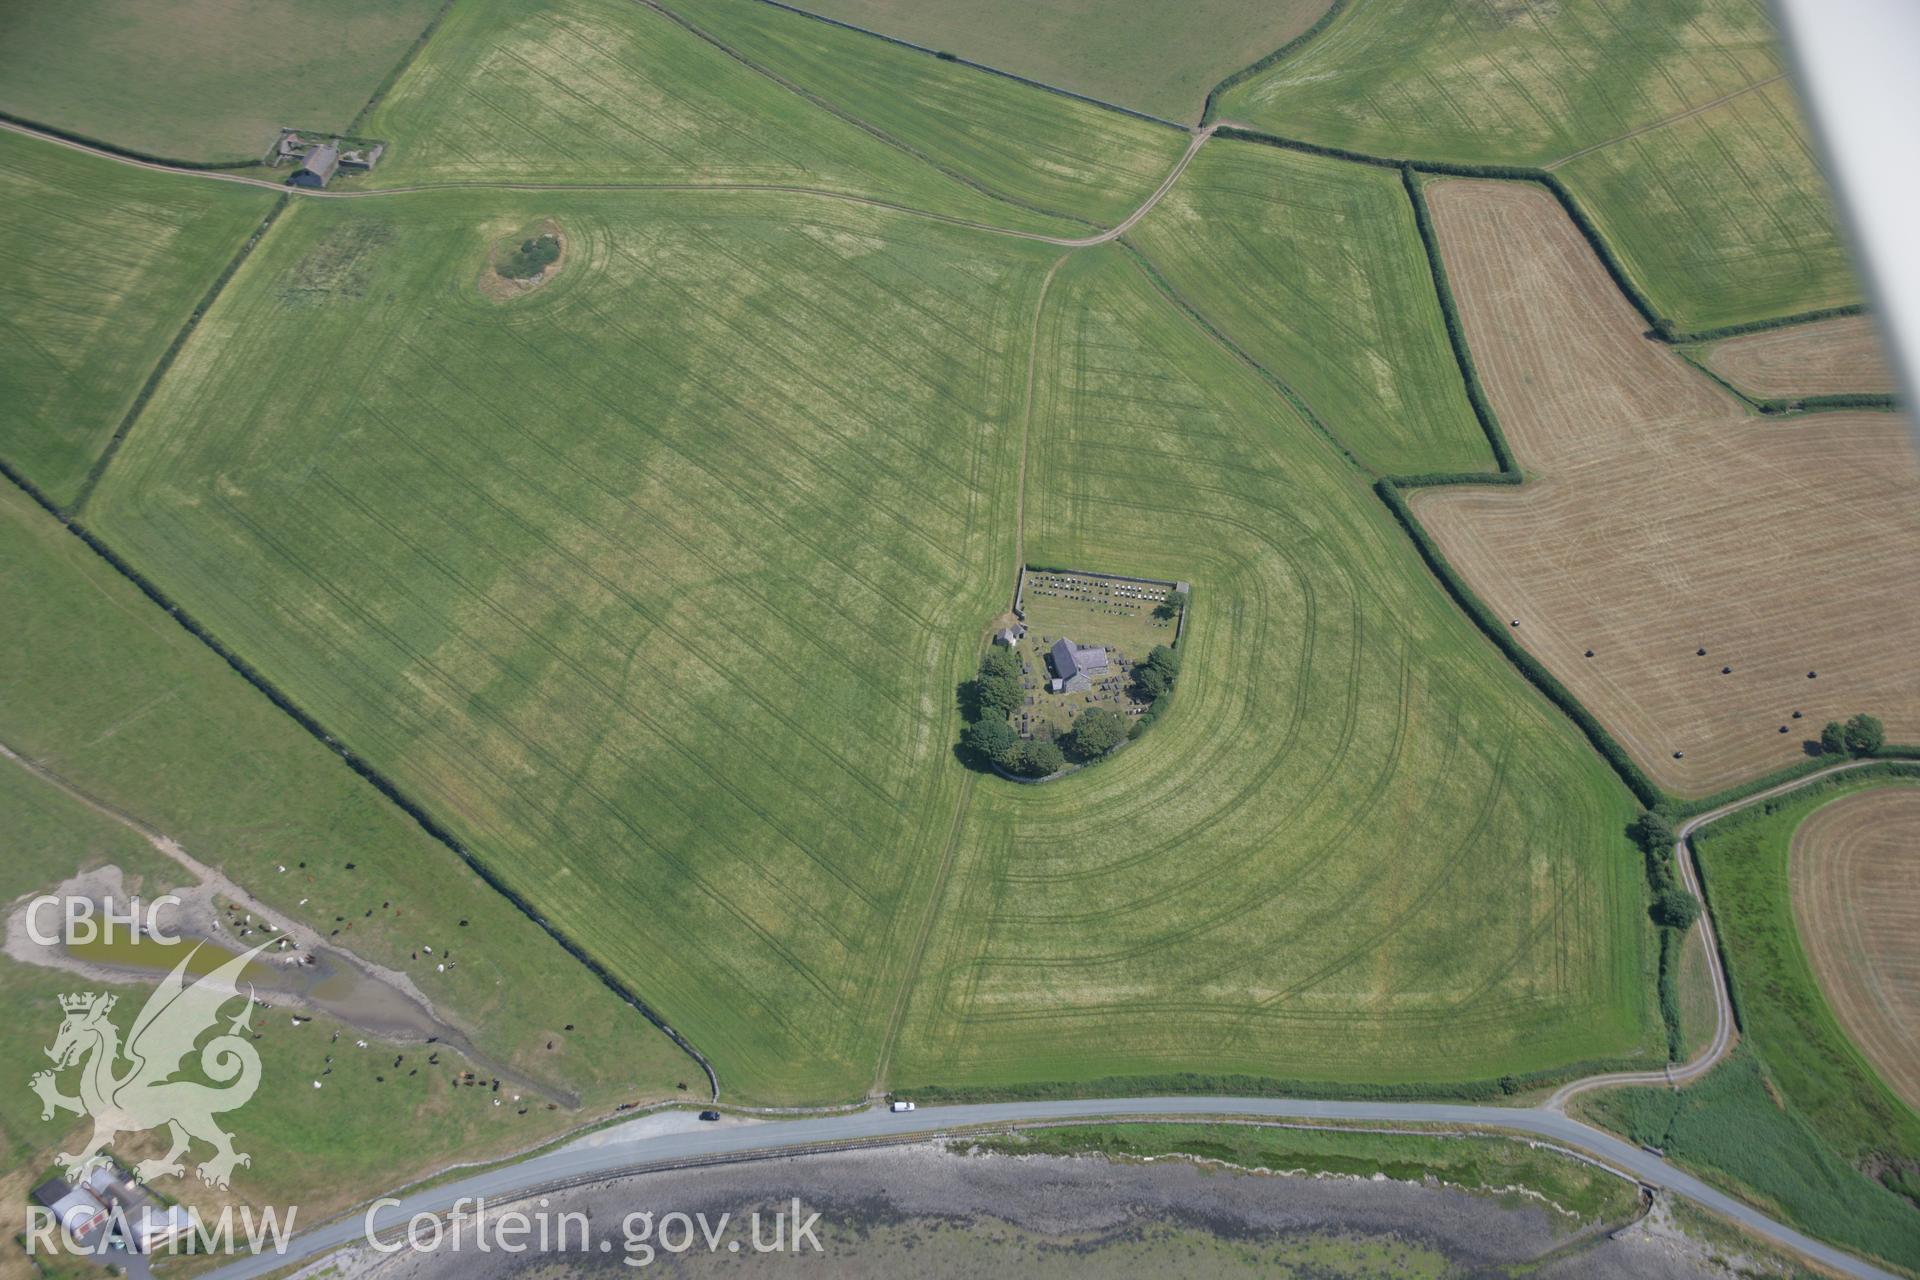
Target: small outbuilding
318, 168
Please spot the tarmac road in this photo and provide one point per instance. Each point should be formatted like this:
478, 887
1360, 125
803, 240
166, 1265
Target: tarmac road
609, 1156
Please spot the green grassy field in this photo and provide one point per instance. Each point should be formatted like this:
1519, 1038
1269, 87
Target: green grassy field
1156, 58
105, 690
1505, 83
1314, 268
1040, 149
1724, 216
1721, 215
640, 559
612, 92
1797, 1120
1786, 1018
649, 540
1241, 889
1731, 1128
1476, 1162
199, 79
320, 1149
99, 267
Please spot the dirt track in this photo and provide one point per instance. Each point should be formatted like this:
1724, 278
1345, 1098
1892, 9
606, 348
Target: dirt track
1856, 900
1658, 517
1830, 357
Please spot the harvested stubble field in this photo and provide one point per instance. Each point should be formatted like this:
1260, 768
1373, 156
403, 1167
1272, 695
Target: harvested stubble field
1674, 126
1144, 54
1352, 848
199, 79
99, 266
1856, 899
1827, 357
1658, 517
1314, 268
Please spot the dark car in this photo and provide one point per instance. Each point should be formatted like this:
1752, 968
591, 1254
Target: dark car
709, 1115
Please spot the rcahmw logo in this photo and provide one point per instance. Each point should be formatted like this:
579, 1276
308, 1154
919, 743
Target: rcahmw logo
128, 1086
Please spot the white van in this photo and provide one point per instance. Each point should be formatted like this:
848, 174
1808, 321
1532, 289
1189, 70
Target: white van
901, 1105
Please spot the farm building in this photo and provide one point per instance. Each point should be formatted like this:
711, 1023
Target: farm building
1074, 667
317, 168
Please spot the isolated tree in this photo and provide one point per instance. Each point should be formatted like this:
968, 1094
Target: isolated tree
1165, 660
1037, 759
1833, 738
1098, 732
1865, 735
1176, 602
1676, 908
991, 739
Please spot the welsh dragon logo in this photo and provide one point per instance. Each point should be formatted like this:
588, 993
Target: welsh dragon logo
143, 1094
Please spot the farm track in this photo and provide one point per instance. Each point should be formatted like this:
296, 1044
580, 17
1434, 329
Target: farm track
1066, 242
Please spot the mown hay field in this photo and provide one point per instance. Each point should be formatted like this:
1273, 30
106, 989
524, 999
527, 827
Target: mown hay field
1315, 269
1827, 357
106, 692
654, 583
369, 1123
1659, 518
1157, 58
1353, 848
99, 687
1856, 899
1748, 867
1505, 82
99, 266
199, 80
615, 93
1039, 149
1799, 1117
1675, 127
1723, 216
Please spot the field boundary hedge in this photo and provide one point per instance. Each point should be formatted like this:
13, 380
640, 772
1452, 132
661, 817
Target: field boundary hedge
1272, 379
381, 90
840, 113
1788, 406
956, 59
125, 153
1545, 681
367, 771
167, 357
1660, 326
1456, 332
1234, 1084
1260, 64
